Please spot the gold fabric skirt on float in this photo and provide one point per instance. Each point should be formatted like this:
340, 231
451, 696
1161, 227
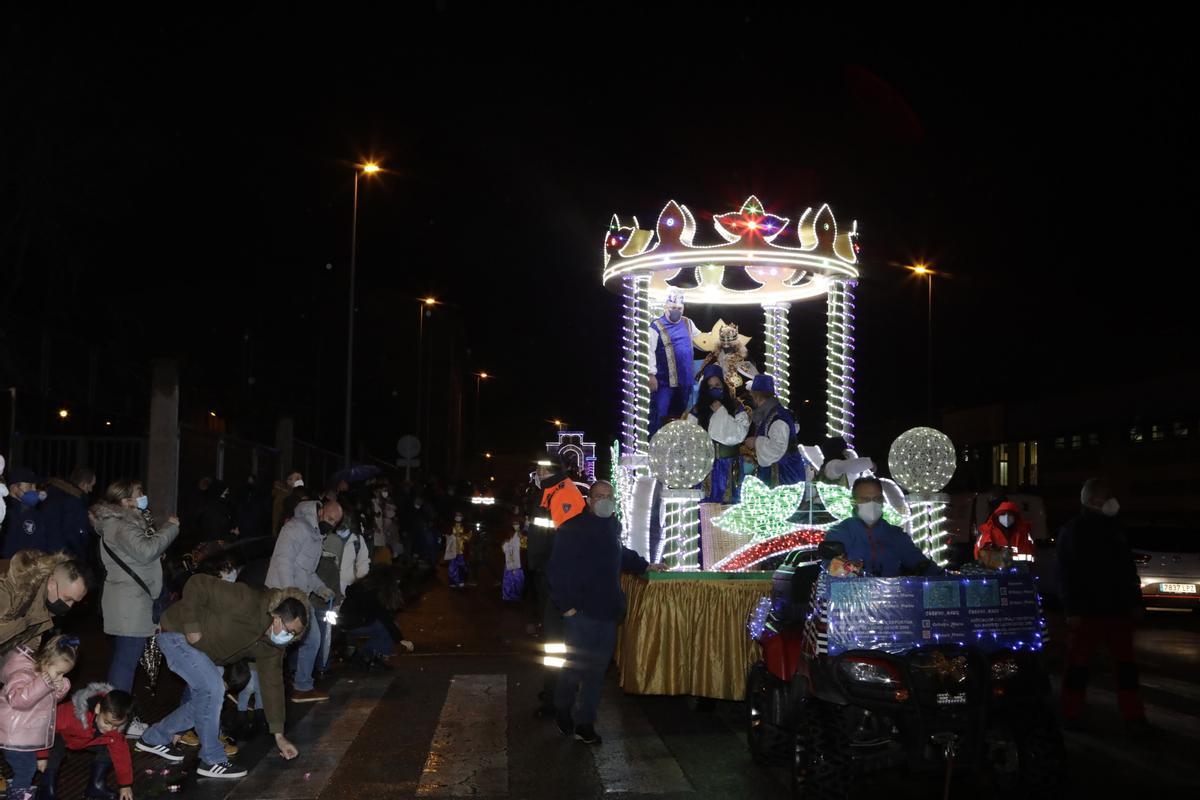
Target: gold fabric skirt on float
685, 633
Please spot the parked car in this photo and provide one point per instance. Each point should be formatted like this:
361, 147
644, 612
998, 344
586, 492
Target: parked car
1168, 563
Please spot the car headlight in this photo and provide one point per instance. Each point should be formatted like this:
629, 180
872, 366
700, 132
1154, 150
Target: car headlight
873, 672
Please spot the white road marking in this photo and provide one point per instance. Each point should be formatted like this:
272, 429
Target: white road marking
469, 752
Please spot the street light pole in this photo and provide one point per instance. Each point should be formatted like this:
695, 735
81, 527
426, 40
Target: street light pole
369, 169
929, 348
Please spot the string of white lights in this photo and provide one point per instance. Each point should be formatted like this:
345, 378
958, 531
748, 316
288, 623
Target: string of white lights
641, 286
839, 361
630, 365
778, 361
680, 544
928, 529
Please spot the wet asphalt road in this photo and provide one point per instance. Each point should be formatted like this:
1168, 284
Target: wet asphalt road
455, 719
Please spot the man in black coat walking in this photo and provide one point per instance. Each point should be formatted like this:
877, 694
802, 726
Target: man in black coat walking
1103, 599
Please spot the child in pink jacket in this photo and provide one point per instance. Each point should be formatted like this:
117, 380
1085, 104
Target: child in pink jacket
33, 685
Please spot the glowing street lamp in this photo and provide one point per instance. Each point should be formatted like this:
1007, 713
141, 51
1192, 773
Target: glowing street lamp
370, 168
63, 413
923, 271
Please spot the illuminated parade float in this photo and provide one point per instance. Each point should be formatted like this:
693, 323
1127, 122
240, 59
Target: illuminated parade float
751, 258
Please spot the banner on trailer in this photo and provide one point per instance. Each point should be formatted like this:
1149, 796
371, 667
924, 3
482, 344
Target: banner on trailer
990, 612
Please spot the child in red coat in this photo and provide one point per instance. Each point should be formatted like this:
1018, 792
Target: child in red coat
95, 720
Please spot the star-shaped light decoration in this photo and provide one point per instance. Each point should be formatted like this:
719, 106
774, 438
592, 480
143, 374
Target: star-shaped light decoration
617, 237
764, 512
750, 221
711, 340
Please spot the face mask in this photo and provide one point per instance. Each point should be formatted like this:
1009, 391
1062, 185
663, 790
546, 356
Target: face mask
517, 527
297, 484
326, 528
417, 505
715, 393
31, 498
1006, 520
344, 533
1110, 507
674, 315
604, 507
230, 576
384, 495
458, 519
282, 638
59, 607
870, 512
143, 503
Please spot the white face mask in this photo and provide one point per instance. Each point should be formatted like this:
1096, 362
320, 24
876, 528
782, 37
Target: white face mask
1110, 507
297, 484
1006, 520
870, 512
230, 576
604, 507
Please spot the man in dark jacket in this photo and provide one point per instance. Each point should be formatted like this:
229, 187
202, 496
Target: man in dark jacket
65, 512
585, 588
1102, 596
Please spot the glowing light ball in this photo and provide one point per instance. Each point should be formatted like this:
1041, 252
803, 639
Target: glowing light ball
681, 454
922, 460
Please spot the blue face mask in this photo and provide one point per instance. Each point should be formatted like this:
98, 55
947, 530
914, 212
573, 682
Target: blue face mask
715, 393
284, 637
344, 533
31, 498
143, 503
674, 315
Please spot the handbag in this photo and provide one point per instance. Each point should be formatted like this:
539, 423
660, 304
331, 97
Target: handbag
157, 606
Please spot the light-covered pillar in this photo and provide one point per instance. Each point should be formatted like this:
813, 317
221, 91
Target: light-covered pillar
680, 545
927, 525
635, 364
839, 361
777, 351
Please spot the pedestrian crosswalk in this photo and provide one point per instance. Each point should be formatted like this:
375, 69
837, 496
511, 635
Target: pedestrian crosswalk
469, 752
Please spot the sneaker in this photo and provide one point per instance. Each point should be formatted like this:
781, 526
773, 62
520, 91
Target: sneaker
189, 739
160, 750
587, 734
564, 725
136, 729
226, 769
311, 696
407, 645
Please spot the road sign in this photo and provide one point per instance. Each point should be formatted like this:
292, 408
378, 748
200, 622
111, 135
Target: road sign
408, 447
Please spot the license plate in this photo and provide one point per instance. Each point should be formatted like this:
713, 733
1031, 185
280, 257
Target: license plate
1177, 588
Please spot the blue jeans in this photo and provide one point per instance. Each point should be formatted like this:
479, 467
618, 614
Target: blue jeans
201, 706
251, 689
306, 655
380, 641
590, 643
126, 653
24, 764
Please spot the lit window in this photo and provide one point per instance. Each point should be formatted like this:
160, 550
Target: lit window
1180, 430
1157, 433
1060, 443
1135, 435
1093, 440
1076, 441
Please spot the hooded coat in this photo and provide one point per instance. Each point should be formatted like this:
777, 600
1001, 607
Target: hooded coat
23, 612
1017, 535
27, 703
128, 609
76, 723
65, 514
298, 552
232, 620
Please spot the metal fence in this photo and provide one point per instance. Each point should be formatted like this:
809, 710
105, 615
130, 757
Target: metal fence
205, 454
111, 457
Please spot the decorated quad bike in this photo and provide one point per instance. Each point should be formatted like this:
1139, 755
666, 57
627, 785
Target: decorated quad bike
861, 674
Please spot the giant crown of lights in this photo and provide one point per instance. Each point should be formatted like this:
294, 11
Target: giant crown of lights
752, 265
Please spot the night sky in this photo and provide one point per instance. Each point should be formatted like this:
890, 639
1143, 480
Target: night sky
177, 186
